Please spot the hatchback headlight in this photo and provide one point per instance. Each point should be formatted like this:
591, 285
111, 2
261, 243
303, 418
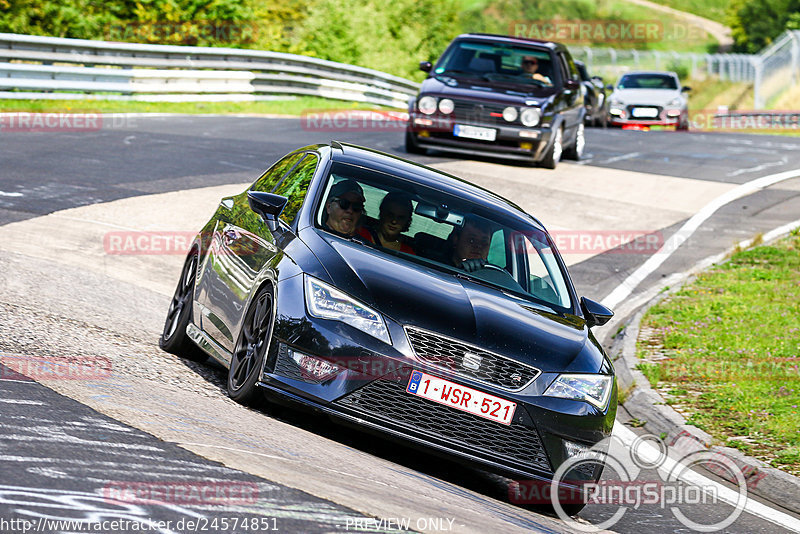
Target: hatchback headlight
427, 105
530, 116
510, 114
675, 102
327, 302
446, 106
594, 389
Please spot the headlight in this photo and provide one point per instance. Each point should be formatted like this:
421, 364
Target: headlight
327, 302
510, 114
446, 106
594, 389
427, 105
675, 102
530, 116
615, 102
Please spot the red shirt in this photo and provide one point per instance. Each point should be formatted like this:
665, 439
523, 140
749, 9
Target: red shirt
367, 234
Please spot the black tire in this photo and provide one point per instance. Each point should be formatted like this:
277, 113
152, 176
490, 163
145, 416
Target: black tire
173, 337
411, 145
553, 154
576, 147
683, 125
251, 348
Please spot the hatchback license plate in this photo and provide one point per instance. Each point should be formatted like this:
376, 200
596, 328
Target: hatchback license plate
644, 112
475, 132
461, 397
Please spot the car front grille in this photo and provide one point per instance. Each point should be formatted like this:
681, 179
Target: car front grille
470, 361
388, 400
475, 112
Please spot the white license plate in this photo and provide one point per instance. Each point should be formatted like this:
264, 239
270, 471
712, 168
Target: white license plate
474, 132
644, 112
461, 397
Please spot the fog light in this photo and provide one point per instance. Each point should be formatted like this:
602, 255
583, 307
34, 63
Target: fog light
526, 146
531, 134
575, 449
315, 367
615, 111
423, 122
424, 133
673, 113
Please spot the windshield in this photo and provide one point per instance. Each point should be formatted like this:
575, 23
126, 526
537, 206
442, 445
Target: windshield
443, 232
648, 81
498, 62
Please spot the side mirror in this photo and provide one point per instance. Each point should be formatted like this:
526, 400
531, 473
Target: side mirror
425, 66
267, 205
598, 79
572, 85
610, 87
596, 314
685, 89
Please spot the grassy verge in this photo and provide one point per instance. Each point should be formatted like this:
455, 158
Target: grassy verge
725, 350
282, 107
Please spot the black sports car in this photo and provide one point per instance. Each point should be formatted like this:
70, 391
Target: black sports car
403, 300
500, 96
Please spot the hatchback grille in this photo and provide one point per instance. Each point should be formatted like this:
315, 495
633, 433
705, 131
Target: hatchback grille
470, 361
475, 112
388, 400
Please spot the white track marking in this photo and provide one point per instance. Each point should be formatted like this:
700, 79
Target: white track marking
622, 157
623, 291
22, 401
725, 494
6, 194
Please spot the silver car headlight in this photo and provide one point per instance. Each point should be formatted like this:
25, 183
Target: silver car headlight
615, 102
510, 114
594, 389
327, 302
674, 102
427, 105
530, 116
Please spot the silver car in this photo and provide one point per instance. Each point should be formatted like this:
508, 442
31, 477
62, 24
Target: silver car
646, 98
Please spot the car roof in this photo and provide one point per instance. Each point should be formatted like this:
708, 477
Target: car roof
667, 72
492, 37
381, 161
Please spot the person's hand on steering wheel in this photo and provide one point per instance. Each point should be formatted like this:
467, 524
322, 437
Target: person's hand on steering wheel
473, 264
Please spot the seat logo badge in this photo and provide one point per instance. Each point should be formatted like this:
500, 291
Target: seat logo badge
471, 361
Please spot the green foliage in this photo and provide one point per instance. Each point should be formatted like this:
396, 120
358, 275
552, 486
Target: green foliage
756, 23
392, 37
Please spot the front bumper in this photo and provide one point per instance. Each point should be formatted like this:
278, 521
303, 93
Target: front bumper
512, 141
369, 391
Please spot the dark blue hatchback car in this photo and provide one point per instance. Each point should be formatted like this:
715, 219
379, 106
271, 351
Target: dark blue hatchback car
462, 334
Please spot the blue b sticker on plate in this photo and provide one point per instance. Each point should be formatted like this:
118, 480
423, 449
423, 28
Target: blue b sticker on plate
413, 384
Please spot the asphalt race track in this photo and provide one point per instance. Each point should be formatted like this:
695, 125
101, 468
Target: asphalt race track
66, 445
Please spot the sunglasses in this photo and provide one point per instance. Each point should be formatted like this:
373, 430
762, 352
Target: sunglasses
347, 204
530, 62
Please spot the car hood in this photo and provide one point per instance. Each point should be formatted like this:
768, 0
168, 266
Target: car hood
502, 93
415, 295
646, 96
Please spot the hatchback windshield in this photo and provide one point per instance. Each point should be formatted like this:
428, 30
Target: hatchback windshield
498, 62
441, 231
647, 81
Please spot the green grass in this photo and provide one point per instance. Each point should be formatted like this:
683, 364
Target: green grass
280, 107
732, 342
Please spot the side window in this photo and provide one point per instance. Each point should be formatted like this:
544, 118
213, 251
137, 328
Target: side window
295, 186
267, 181
573, 69
497, 250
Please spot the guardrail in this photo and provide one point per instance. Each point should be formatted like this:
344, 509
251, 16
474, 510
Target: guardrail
46, 67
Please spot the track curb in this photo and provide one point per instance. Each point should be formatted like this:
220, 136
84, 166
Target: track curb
648, 406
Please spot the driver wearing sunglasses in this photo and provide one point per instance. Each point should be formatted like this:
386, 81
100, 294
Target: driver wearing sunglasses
344, 208
530, 67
